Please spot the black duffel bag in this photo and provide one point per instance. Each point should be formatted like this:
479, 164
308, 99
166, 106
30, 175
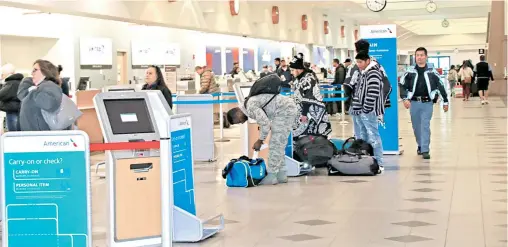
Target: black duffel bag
314, 150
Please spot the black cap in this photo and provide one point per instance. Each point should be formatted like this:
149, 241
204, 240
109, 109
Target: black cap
348, 60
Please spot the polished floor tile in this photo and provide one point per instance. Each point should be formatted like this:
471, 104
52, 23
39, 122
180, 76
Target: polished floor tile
458, 198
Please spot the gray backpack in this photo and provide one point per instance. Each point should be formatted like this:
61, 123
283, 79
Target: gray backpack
352, 162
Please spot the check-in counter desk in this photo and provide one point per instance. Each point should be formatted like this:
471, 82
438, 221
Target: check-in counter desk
88, 122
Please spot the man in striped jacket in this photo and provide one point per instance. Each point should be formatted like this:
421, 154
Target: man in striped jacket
368, 104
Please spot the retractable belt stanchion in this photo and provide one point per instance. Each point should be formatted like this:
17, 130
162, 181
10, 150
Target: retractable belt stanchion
343, 107
221, 116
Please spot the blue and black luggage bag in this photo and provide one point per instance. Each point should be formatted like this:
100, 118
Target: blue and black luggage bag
244, 172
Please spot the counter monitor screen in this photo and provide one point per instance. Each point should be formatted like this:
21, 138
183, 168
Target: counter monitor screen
245, 90
128, 116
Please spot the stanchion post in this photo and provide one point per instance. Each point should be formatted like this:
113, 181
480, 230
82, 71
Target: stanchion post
221, 121
343, 107
166, 191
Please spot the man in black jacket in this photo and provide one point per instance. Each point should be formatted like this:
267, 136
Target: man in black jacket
340, 72
420, 88
285, 74
483, 73
9, 102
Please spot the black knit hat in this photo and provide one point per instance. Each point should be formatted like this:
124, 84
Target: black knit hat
297, 62
362, 45
362, 55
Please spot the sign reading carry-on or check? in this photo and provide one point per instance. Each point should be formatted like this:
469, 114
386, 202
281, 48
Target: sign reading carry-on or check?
46, 189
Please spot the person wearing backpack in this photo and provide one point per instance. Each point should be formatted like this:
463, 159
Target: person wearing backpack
273, 113
368, 104
452, 79
314, 119
352, 76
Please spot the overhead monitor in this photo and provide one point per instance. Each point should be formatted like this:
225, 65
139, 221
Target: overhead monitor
128, 116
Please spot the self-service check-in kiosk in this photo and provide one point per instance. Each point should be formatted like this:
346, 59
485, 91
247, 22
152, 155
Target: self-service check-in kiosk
120, 88
134, 176
250, 134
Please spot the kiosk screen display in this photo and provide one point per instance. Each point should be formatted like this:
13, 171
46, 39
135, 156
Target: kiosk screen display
128, 116
245, 91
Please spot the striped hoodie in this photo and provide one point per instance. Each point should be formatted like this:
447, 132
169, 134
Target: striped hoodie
368, 92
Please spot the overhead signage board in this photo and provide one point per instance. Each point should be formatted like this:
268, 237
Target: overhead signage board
145, 53
182, 161
383, 47
96, 53
46, 189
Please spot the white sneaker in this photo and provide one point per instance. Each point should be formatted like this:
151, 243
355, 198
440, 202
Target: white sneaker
486, 102
483, 102
381, 169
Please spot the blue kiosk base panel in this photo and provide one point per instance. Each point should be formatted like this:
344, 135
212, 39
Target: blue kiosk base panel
41, 232
50, 240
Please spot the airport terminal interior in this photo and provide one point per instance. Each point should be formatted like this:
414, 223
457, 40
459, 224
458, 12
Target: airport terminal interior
134, 123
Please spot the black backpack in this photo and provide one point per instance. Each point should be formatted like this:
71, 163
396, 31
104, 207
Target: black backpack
358, 147
270, 84
314, 150
387, 90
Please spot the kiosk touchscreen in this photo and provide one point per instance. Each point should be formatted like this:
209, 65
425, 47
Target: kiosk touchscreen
134, 185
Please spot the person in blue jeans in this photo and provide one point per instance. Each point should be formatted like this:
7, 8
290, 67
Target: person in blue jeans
420, 88
367, 104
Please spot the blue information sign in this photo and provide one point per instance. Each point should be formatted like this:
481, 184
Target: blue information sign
45, 192
183, 173
383, 47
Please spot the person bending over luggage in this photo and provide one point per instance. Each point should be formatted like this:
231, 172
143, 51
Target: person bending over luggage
367, 104
275, 113
313, 116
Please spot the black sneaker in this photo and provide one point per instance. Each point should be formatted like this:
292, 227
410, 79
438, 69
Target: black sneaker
426, 156
419, 151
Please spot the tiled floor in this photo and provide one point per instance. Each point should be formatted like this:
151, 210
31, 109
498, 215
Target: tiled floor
456, 199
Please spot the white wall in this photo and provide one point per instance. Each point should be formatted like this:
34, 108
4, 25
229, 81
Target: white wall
443, 42
457, 58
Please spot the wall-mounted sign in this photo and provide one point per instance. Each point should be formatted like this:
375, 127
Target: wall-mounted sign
481, 51
305, 22
154, 53
326, 27
275, 15
234, 7
96, 53
342, 32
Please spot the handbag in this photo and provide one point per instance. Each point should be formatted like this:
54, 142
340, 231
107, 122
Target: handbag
467, 80
62, 118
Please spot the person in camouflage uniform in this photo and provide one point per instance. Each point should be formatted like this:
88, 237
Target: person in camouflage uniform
275, 113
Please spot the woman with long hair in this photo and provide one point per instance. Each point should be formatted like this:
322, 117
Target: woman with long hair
154, 80
452, 78
45, 94
466, 77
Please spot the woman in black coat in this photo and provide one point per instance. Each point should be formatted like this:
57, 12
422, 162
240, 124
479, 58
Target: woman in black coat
155, 81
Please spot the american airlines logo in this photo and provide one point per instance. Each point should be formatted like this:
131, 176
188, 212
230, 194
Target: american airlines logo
384, 30
183, 123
